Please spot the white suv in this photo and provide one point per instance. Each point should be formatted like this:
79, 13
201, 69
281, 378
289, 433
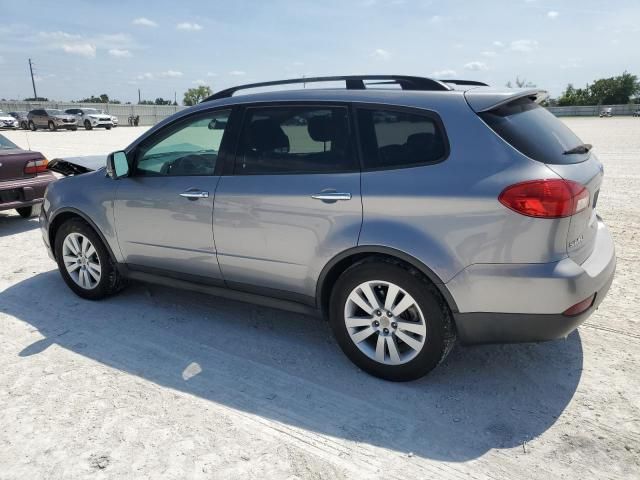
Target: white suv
90, 118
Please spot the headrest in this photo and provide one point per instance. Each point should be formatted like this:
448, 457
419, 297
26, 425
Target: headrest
266, 135
322, 129
420, 140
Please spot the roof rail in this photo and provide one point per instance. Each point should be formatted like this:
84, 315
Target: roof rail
354, 82
466, 82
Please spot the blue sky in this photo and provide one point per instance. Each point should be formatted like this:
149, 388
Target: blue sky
162, 47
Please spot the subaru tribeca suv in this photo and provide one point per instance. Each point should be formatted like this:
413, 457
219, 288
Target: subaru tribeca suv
409, 217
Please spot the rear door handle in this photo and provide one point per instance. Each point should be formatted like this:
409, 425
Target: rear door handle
195, 194
331, 196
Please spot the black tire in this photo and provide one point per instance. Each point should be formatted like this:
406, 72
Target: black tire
440, 332
24, 125
87, 125
110, 279
32, 126
52, 126
108, 127
73, 129
25, 212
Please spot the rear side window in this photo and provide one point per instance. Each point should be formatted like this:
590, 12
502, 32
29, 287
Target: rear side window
295, 140
395, 139
535, 132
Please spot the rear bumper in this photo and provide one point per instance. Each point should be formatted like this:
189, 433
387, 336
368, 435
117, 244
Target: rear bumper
24, 192
524, 302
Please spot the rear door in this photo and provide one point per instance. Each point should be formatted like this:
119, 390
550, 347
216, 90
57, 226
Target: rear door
291, 200
163, 211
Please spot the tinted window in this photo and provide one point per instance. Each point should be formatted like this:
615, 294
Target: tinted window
399, 139
535, 132
295, 140
187, 149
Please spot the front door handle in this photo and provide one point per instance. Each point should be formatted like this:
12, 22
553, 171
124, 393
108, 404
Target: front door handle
331, 196
195, 194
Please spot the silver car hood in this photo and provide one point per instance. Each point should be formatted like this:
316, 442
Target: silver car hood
77, 165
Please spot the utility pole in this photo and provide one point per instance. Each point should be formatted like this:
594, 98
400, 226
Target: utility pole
175, 98
139, 96
35, 95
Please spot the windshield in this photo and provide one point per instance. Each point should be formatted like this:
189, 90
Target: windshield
536, 132
54, 112
5, 144
91, 111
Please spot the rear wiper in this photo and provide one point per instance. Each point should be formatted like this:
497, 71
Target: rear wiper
584, 148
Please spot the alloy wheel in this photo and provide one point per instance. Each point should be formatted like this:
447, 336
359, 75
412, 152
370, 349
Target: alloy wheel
385, 322
81, 261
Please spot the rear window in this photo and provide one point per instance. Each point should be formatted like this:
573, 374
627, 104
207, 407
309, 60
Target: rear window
535, 132
397, 139
6, 144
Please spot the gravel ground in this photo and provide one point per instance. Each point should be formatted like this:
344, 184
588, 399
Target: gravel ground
154, 383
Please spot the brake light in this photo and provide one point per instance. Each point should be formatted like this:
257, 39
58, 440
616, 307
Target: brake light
553, 198
36, 166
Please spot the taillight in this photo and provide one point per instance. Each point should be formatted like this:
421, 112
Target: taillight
36, 166
553, 198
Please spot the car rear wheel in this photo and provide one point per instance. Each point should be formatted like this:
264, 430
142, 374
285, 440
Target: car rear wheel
32, 126
390, 320
84, 261
87, 125
25, 212
24, 125
52, 126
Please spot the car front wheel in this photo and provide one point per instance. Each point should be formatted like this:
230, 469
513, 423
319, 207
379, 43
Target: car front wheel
52, 126
32, 126
87, 125
390, 320
84, 261
25, 212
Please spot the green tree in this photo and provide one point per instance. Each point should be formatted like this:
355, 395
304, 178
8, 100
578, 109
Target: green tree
196, 95
604, 91
162, 101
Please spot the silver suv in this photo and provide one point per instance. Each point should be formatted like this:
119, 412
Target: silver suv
409, 217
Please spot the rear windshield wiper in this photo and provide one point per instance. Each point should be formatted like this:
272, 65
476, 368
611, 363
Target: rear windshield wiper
584, 148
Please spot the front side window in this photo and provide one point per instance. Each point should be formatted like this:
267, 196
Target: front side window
292, 139
396, 139
187, 149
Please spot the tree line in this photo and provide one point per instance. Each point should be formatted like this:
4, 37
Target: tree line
618, 90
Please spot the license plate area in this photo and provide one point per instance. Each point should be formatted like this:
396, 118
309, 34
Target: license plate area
13, 195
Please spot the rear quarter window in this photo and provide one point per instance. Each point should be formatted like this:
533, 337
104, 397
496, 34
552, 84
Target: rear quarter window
398, 138
534, 132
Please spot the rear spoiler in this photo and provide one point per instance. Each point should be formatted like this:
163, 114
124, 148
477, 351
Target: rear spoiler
77, 165
485, 99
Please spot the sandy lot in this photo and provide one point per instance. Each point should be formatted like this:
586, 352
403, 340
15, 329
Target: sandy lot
156, 383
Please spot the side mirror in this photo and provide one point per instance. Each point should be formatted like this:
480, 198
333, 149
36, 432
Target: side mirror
117, 165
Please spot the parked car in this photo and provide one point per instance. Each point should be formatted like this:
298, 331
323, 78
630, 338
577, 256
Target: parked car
407, 217
21, 117
51, 118
114, 119
90, 118
606, 112
23, 178
636, 113
7, 121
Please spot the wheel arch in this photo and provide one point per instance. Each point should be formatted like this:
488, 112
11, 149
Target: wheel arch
338, 264
69, 213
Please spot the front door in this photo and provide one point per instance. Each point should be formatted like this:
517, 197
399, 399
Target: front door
292, 202
164, 209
